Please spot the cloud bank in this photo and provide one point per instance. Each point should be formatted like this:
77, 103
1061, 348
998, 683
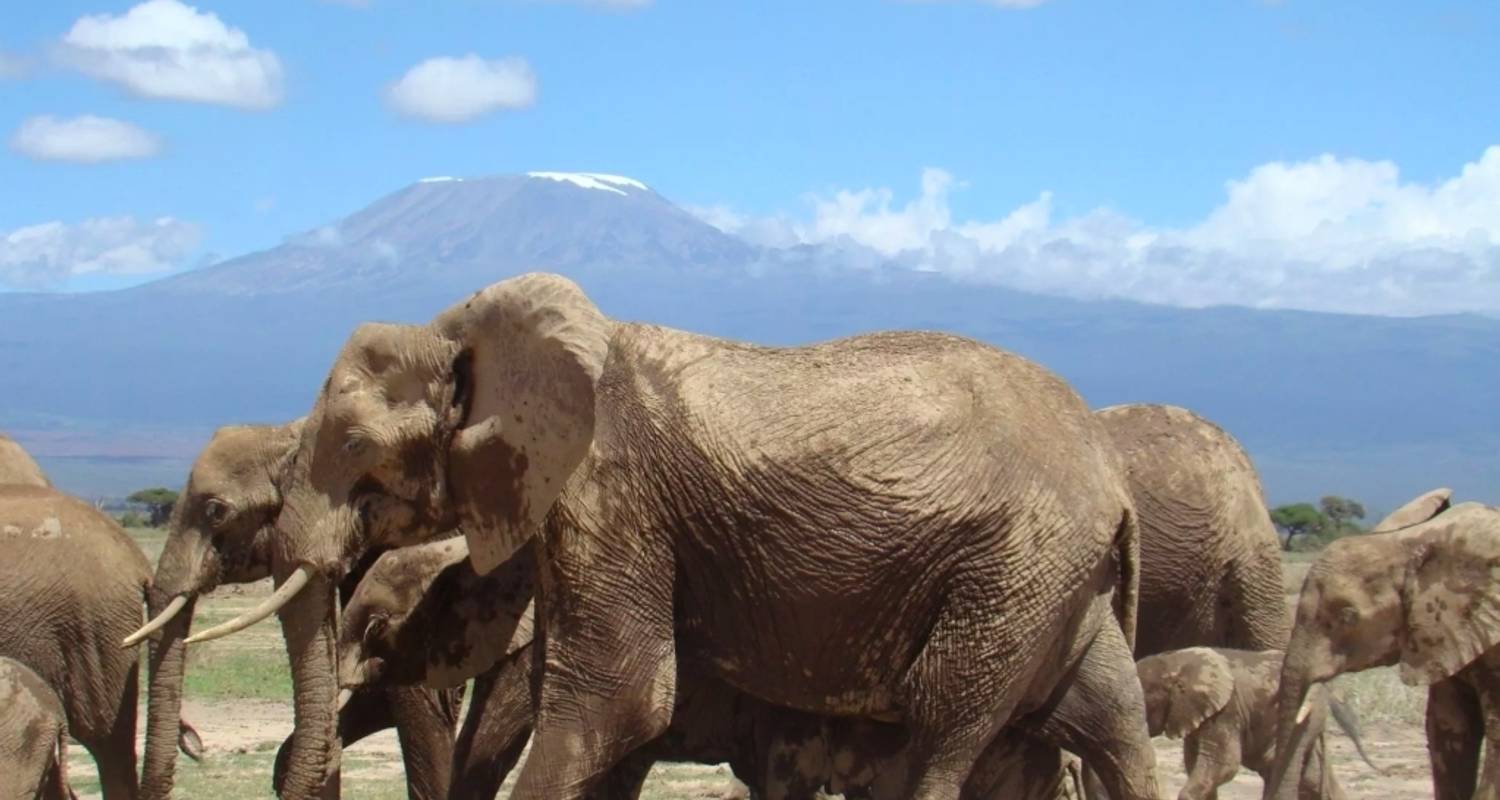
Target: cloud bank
1326, 234
85, 140
453, 90
50, 254
163, 49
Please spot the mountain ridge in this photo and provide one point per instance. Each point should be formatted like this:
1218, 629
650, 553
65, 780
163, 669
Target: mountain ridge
249, 339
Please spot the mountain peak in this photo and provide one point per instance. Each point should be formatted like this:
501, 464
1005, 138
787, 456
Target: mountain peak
599, 181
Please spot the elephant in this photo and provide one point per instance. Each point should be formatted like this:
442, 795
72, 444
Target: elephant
33, 737
72, 584
420, 615
220, 533
1421, 593
906, 526
1210, 558
18, 467
1222, 703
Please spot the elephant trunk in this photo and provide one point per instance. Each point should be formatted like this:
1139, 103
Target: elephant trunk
1297, 730
165, 668
308, 626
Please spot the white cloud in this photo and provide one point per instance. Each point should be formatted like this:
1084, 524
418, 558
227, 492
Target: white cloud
49, 254
448, 89
1325, 234
163, 49
87, 139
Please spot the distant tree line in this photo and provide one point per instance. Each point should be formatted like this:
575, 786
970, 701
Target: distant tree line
151, 508
1304, 526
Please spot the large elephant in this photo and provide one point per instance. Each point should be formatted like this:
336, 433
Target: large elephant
220, 533
71, 586
906, 526
17, 467
421, 615
1210, 558
33, 737
1421, 593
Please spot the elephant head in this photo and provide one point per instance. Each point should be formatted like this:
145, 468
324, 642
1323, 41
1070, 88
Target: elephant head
475, 421
1425, 596
18, 467
421, 615
1184, 688
220, 532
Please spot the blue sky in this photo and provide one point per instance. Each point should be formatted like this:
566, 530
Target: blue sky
769, 116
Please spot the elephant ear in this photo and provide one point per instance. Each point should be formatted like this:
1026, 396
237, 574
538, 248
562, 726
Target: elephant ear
1184, 688
1451, 594
1417, 511
533, 348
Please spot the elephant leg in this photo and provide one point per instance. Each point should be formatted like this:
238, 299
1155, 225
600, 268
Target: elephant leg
961, 689
1101, 716
797, 764
495, 729
610, 679
1318, 782
1455, 729
425, 719
1258, 618
114, 753
1216, 760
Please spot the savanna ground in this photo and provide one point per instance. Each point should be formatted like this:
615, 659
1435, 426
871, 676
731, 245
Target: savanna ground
238, 692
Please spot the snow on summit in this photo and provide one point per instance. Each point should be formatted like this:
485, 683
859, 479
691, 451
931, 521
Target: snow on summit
592, 180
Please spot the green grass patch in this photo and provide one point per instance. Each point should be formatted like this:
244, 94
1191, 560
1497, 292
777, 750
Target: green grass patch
238, 675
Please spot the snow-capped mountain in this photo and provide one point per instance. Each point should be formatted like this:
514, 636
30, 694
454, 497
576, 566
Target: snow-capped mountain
142, 376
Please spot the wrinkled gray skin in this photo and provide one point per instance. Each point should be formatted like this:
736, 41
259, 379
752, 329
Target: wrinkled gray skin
220, 534
1210, 559
71, 587
1222, 704
1424, 594
917, 525
33, 737
421, 615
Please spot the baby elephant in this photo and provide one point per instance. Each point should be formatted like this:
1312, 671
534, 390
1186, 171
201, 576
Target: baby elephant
1222, 704
33, 737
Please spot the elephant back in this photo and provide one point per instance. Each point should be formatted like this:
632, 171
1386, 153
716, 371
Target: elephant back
72, 585
1210, 558
17, 467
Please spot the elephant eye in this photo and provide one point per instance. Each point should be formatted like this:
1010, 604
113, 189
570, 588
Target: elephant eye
1348, 615
374, 629
216, 511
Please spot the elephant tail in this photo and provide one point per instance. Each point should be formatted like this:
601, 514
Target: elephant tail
1349, 722
1128, 557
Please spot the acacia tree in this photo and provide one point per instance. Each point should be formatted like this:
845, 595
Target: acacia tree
158, 502
1298, 519
1341, 513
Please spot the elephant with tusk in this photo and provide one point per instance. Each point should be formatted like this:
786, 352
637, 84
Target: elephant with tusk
897, 526
1222, 703
1423, 592
219, 534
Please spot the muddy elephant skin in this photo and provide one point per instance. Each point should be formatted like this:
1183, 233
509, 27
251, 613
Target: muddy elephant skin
1423, 594
33, 737
707, 500
219, 534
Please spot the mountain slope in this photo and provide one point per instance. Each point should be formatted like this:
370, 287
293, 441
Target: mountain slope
1376, 408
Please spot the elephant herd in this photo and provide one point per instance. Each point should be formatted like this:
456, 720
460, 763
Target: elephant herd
895, 565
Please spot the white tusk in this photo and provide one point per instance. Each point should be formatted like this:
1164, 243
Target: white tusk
1305, 710
157, 622
283, 595
344, 695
